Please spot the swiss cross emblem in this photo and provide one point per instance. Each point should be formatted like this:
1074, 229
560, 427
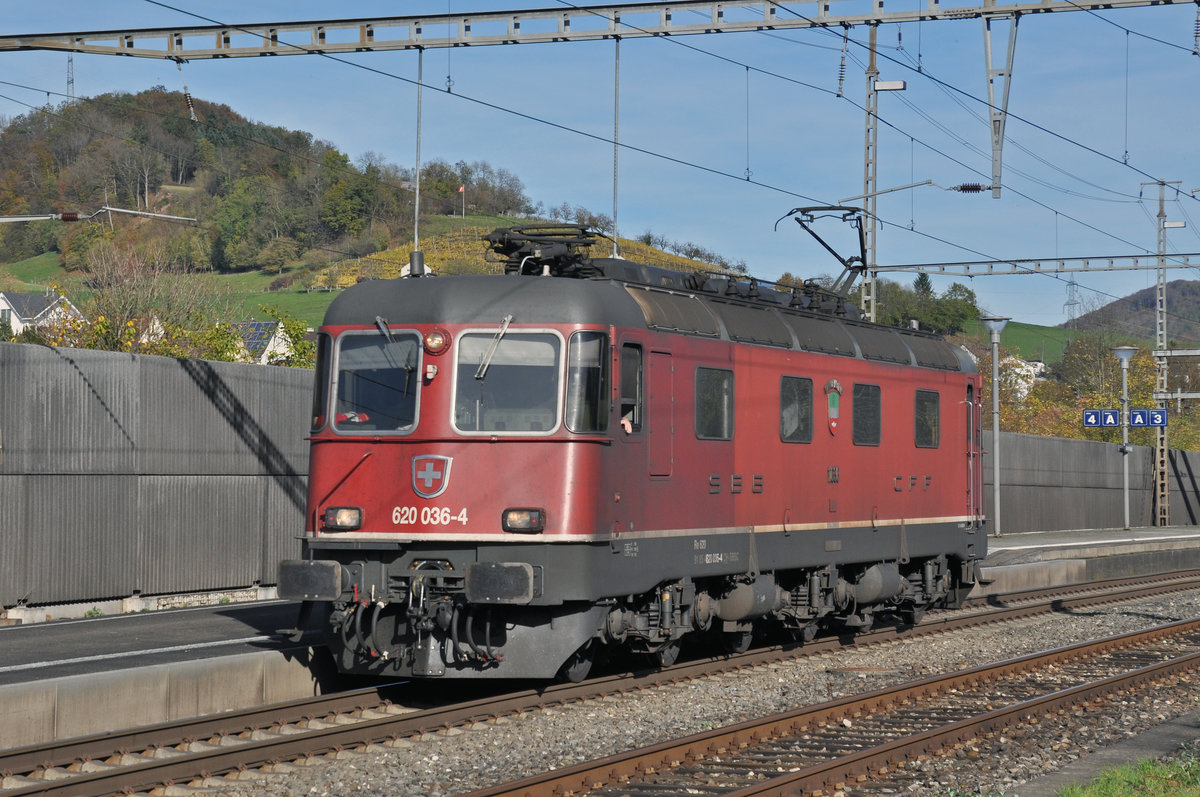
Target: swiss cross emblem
833, 391
430, 475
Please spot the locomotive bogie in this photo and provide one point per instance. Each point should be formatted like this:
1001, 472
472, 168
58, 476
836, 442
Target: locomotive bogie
515, 475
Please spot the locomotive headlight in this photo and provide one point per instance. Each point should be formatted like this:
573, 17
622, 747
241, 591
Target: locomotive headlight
342, 518
436, 341
524, 521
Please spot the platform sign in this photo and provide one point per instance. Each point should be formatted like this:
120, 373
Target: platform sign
1147, 417
1112, 418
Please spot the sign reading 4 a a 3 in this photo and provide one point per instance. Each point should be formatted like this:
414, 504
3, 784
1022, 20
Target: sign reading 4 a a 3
1107, 418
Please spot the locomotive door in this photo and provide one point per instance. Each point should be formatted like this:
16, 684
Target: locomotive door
974, 461
660, 385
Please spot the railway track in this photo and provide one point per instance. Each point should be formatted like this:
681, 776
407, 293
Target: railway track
240, 744
871, 737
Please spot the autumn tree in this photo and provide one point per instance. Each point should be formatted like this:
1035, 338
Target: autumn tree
140, 304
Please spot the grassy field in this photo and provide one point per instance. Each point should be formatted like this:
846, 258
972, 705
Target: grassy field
32, 275
1179, 778
1029, 341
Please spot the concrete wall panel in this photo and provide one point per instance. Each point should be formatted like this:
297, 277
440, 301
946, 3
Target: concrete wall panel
79, 537
124, 474
198, 533
27, 713
1049, 483
99, 702
67, 410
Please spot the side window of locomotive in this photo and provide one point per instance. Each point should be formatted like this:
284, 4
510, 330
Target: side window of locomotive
631, 387
378, 380
320, 404
867, 412
587, 382
795, 409
507, 382
714, 404
927, 419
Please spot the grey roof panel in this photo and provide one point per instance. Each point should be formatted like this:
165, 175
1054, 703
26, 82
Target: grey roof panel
29, 306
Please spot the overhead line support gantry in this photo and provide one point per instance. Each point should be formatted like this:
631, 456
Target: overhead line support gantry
576, 23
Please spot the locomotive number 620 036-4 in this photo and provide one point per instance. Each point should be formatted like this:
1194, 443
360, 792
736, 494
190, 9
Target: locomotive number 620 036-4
428, 516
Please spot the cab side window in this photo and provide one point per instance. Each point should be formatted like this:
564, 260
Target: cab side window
587, 382
631, 387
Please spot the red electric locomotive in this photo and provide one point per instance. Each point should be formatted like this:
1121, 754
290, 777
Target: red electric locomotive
511, 474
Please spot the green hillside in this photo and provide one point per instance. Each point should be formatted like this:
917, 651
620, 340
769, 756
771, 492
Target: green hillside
1029, 341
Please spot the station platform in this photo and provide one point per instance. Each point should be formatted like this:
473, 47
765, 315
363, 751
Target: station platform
1040, 559
77, 677
74, 677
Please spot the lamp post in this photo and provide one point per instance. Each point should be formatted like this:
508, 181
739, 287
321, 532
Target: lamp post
995, 325
1125, 354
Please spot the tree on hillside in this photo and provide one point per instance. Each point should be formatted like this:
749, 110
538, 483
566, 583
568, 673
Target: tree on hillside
945, 314
488, 191
140, 304
923, 286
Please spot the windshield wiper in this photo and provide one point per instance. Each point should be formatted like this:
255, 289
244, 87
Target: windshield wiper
491, 352
382, 323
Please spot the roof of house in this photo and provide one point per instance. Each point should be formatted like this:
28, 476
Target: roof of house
29, 306
256, 335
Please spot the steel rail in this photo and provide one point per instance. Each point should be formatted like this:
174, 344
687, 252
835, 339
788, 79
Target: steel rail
639, 763
69, 753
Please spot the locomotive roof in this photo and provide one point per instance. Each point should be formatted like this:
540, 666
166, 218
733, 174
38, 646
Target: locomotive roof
629, 295
485, 300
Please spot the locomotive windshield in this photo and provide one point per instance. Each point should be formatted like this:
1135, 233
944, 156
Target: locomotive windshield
378, 380
518, 391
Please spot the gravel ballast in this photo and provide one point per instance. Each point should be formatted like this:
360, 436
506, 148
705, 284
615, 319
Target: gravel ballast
488, 753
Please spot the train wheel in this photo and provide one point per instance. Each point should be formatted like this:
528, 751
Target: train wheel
666, 655
737, 641
579, 665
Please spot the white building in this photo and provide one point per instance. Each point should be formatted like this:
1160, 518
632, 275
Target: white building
262, 341
21, 310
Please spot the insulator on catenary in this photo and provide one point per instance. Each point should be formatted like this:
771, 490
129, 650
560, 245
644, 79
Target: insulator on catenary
69, 216
971, 188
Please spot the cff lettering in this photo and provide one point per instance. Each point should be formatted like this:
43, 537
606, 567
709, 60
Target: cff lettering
925, 481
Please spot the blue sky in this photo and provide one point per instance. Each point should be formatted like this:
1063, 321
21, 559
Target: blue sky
1084, 93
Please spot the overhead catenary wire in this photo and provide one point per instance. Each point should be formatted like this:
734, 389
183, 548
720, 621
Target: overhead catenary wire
1040, 128
677, 42
567, 128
